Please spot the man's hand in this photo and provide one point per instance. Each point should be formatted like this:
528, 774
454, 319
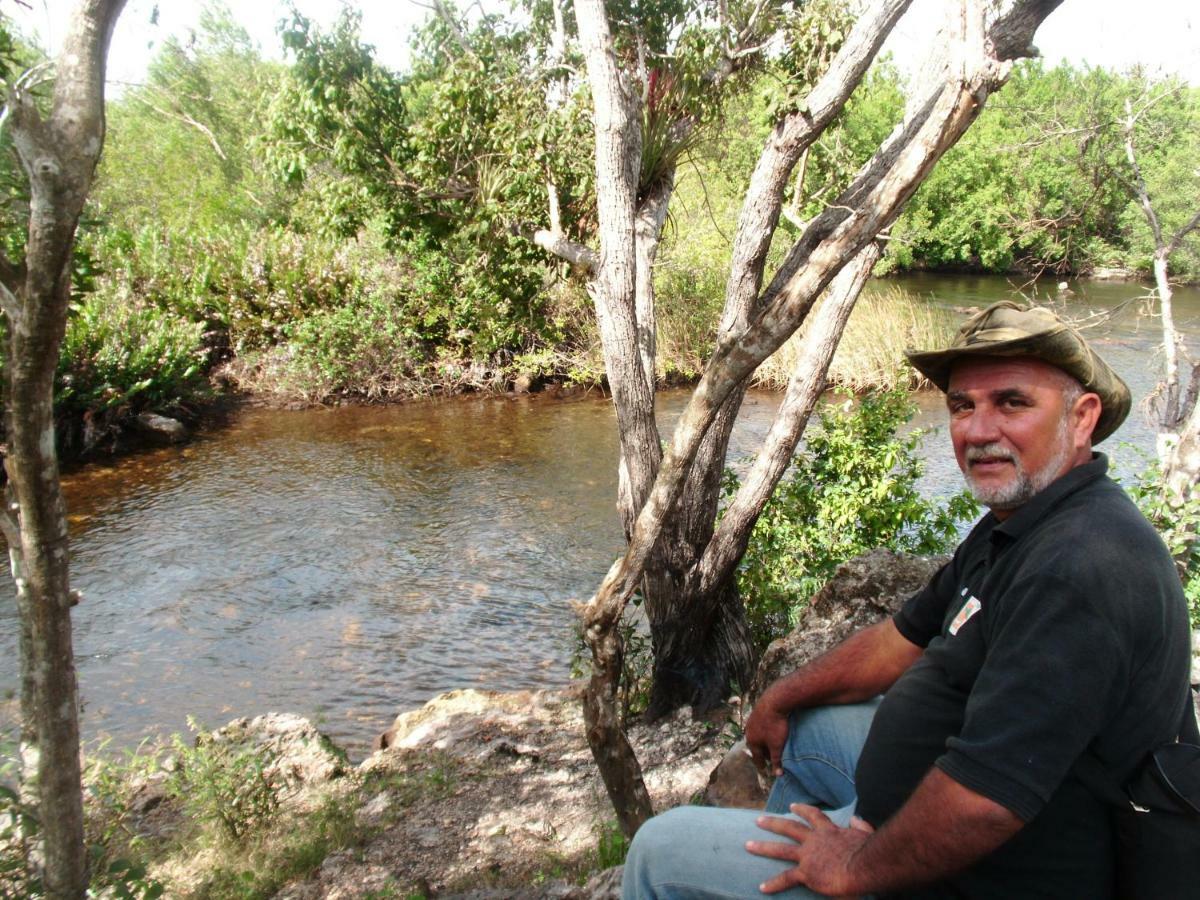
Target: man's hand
864, 665
821, 851
766, 733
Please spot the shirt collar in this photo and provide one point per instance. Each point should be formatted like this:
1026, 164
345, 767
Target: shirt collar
1033, 511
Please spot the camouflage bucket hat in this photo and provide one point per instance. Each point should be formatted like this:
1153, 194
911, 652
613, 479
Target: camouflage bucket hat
1009, 329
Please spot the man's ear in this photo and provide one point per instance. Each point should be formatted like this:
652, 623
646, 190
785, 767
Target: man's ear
1083, 418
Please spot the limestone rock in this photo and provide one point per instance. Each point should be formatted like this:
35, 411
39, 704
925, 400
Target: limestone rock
302, 754
736, 782
162, 428
507, 782
862, 591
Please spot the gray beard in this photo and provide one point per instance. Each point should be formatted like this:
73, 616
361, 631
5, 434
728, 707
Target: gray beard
1023, 487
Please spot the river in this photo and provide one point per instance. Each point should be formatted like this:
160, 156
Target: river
350, 563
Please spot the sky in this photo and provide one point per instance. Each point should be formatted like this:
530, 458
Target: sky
1163, 35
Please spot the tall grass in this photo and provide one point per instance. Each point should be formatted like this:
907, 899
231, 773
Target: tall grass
885, 321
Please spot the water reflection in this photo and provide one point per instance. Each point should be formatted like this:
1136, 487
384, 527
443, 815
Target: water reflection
350, 563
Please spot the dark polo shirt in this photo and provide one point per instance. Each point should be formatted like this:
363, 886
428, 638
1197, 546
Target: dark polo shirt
1060, 630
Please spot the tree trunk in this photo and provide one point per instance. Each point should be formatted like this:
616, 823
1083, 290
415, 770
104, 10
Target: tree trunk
618, 158
1178, 438
974, 63
58, 155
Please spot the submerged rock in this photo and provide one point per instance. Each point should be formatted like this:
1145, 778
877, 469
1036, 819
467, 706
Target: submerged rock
161, 428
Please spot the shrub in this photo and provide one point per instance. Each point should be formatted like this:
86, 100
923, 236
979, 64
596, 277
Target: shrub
225, 783
20, 872
852, 489
119, 351
1179, 524
365, 348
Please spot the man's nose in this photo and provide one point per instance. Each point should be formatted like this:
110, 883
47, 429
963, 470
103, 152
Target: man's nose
982, 427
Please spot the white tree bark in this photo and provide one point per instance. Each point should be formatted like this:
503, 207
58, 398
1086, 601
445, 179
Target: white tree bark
58, 154
805, 386
1176, 401
756, 322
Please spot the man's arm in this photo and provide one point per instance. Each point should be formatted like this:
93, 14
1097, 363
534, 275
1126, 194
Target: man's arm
942, 829
864, 665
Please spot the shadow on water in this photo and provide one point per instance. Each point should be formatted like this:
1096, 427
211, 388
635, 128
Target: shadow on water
351, 563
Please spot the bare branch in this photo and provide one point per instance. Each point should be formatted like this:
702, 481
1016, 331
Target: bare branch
804, 389
8, 525
187, 120
576, 254
790, 214
1139, 183
761, 209
1177, 239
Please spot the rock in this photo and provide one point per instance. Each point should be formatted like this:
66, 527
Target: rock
302, 754
161, 428
604, 885
507, 783
736, 782
1113, 274
862, 591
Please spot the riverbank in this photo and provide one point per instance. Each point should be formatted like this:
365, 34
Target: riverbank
478, 794
282, 377
896, 311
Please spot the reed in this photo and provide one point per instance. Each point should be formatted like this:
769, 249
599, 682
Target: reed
886, 320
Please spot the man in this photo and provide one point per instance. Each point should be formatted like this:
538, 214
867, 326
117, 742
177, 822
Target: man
1058, 630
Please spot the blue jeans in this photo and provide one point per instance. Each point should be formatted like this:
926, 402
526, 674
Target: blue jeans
699, 851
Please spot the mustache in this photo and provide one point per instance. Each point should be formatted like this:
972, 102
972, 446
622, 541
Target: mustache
990, 451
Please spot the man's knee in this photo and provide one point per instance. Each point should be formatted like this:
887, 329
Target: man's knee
666, 832
656, 846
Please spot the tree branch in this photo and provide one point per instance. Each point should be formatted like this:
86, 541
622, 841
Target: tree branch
576, 254
1177, 239
805, 386
1139, 183
790, 138
11, 307
188, 120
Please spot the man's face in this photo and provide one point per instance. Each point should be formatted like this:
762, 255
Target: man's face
1015, 427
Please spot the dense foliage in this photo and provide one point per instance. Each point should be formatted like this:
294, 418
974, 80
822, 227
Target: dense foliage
1042, 182
852, 489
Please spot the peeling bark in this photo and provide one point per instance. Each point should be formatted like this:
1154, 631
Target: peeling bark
58, 154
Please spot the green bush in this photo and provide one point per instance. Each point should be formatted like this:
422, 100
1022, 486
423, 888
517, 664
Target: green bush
20, 873
852, 489
1179, 524
225, 783
366, 348
119, 351
246, 285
